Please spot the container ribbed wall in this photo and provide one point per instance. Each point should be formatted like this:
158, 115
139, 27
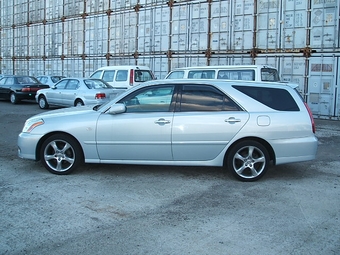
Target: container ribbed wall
75, 37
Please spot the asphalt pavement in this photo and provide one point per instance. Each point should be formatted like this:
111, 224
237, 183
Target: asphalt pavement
121, 209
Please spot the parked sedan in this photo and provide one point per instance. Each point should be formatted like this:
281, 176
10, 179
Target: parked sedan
50, 80
76, 92
19, 87
241, 125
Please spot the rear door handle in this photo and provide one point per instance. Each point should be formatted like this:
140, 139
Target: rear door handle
232, 120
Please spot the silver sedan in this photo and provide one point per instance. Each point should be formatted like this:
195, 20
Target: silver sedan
76, 92
241, 125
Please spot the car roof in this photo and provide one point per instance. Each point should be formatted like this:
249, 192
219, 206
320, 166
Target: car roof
219, 82
123, 67
222, 67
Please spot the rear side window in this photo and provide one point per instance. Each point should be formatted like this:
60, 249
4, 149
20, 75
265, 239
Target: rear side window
275, 98
107, 76
205, 98
201, 74
122, 75
245, 75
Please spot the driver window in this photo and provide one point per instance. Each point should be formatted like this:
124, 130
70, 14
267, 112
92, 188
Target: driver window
62, 84
154, 99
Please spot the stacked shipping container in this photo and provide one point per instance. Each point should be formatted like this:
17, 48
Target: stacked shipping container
74, 37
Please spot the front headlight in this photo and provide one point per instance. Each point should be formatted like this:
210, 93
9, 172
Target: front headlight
30, 124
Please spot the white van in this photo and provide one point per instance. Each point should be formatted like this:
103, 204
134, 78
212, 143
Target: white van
232, 72
124, 77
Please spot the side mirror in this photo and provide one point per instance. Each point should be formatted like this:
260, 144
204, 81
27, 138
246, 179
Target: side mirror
117, 109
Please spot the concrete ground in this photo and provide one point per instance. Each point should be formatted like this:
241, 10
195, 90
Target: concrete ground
120, 209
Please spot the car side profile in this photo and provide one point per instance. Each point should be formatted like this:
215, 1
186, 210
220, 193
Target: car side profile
242, 126
76, 92
19, 87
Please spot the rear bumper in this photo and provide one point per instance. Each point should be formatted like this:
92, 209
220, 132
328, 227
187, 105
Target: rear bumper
295, 150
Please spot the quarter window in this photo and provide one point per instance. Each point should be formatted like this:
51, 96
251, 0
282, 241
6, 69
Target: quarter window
275, 98
205, 98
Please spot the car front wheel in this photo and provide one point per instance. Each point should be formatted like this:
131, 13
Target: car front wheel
248, 160
61, 154
43, 102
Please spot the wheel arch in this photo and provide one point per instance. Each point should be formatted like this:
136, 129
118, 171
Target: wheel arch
78, 99
269, 148
46, 136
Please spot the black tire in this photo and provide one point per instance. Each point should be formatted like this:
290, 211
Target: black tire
43, 102
61, 154
13, 98
248, 160
79, 102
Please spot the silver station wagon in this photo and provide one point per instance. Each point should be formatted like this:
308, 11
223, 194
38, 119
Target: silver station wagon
242, 126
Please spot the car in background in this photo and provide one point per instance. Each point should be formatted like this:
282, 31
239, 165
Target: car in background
227, 72
241, 125
76, 92
19, 87
124, 77
50, 80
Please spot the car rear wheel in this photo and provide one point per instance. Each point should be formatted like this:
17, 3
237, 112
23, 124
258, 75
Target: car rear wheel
79, 102
13, 98
43, 102
248, 160
61, 154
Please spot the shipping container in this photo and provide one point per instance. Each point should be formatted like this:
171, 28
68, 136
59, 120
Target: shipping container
323, 81
6, 14
54, 10
6, 45
122, 32
96, 35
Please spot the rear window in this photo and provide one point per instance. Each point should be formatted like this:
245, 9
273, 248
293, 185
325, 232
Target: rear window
143, 75
275, 98
269, 74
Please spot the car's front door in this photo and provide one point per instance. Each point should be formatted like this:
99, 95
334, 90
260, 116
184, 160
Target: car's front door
204, 122
55, 95
143, 132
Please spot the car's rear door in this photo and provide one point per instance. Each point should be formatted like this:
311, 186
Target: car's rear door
204, 122
70, 92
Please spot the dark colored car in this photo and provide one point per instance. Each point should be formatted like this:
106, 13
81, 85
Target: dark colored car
19, 87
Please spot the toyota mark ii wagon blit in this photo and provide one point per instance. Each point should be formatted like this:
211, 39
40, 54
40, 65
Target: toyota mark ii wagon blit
242, 126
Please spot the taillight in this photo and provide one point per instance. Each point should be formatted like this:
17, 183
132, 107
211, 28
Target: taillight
26, 89
131, 77
100, 96
311, 117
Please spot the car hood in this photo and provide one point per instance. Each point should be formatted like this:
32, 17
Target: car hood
66, 112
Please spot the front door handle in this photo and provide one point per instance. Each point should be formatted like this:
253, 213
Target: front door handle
162, 121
